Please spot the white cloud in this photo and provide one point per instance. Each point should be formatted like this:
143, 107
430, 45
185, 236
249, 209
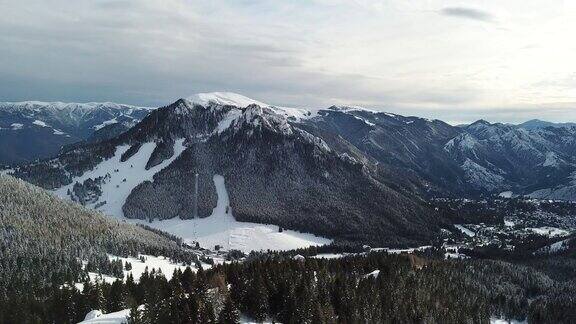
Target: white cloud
400, 55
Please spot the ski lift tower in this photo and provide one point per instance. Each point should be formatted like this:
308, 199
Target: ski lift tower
195, 205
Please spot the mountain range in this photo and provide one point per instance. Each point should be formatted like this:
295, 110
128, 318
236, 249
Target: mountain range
346, 173
31, 130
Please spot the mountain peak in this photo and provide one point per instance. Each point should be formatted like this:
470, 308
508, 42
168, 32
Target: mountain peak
224, 98
240, 101
481, 122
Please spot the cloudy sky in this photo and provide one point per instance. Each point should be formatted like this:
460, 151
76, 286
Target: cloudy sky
455, 60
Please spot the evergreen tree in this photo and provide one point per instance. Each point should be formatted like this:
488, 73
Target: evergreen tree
229, 314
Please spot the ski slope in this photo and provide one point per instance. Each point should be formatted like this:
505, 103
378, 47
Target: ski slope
129, 174
220, 228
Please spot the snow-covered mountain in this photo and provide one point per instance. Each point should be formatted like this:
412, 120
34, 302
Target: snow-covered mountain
33, 129
407, 151
347, 173
274, 170
538, 124
499, 157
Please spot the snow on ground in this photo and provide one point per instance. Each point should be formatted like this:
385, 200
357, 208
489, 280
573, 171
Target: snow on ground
220, 228
495, 320
373, 274
549, 231
508, 223
400, 251
106, 123
133, 171
453, 252
369, 123
151, 262
238, 100
96, 316
58, 132
244, 319
551, 160
16, 126
555, 247
465, 230
387, 250
505, 194
331, 255
40, 123
231, 116
224, 98
138, 267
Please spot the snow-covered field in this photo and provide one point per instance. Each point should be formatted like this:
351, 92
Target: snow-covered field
549, 231
465, 231
96, 316
138, 267
151, 262
220, 228
122, 316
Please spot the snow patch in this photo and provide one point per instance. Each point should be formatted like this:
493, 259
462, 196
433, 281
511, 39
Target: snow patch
551, 160
151, 262
367, 122
40, 123
230, 117
373, 274
330, 255
106, 123
465, 231
96, 316
496, 320
506, 194
549, 231
16, 126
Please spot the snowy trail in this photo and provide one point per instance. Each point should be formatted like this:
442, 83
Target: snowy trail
130, 174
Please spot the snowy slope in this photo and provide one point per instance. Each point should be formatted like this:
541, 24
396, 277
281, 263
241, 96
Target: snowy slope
130, 174
158, 263
220, 228
238, 100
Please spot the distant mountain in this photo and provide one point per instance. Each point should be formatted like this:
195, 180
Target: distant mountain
539, 124
276, 172
32, 129
498, 157
407, 151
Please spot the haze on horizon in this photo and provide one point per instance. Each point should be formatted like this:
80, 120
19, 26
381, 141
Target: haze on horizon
458, 61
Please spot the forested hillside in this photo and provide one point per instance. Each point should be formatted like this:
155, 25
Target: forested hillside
364, 288
45, 240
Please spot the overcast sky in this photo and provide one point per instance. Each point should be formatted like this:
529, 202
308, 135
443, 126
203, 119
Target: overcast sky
455, 60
